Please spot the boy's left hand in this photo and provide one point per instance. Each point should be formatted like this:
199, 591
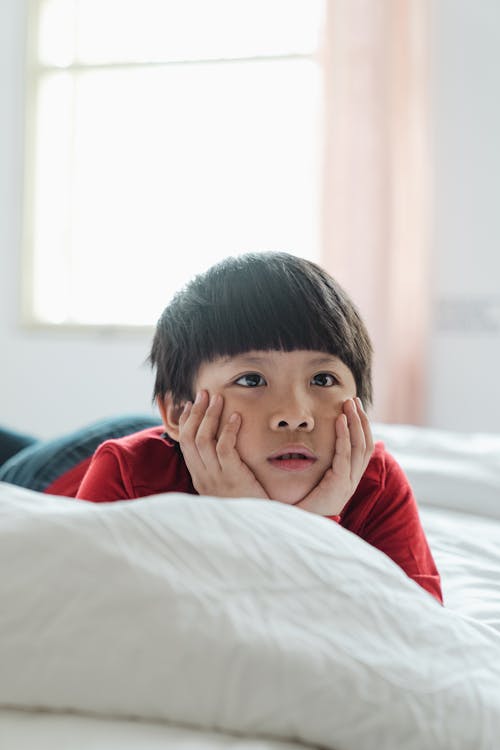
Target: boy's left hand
353, 448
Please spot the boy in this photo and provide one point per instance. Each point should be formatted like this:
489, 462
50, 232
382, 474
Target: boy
263, 365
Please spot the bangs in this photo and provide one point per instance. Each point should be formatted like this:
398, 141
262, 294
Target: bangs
262, 324
269, 309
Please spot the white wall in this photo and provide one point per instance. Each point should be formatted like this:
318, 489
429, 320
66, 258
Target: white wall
50, 382
465, 353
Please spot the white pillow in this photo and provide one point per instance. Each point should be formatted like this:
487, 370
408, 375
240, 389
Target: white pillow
241, 615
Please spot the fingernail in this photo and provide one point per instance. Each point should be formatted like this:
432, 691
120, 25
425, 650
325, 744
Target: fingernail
198, 397
214, 399
360, 403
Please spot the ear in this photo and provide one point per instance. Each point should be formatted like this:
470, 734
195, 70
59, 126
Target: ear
170, 415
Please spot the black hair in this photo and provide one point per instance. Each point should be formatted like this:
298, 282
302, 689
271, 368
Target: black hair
257, 301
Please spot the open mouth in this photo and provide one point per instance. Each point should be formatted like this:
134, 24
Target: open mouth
293, 460
288, 456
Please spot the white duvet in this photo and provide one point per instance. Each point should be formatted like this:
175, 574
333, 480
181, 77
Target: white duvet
243, 616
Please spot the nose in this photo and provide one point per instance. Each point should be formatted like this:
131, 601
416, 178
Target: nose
292, 414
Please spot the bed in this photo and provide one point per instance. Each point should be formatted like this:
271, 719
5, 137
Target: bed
189, 622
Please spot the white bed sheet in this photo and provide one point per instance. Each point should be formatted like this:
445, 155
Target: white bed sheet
456, 480
466, 549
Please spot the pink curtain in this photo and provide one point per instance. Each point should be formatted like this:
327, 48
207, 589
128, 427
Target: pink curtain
376, 186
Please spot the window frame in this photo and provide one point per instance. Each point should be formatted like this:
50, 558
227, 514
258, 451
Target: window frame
34, 72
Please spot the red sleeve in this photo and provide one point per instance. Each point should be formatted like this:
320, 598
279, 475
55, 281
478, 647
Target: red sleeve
106, 479
137, 465
394, 527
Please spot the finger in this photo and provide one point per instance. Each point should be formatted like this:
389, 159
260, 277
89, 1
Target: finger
236, 472
194, 413
367, 430
186, 411
341, 463
357, 437
206, 436
189, 423
227, 454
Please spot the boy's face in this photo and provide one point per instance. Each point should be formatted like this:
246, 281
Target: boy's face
288, 402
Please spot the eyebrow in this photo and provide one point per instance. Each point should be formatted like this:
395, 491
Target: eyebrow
257, 360
246, 358
324, 360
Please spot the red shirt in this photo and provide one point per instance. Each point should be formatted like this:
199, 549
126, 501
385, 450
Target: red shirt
382, 511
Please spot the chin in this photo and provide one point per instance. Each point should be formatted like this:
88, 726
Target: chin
291, 488
291, 497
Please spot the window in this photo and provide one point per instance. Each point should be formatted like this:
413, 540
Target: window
162, 136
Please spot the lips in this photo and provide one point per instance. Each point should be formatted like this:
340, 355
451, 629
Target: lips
292, 458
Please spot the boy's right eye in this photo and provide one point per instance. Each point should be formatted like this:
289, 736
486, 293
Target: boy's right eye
250, 380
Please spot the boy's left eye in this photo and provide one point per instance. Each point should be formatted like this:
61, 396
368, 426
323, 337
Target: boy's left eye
251, 380
324, 379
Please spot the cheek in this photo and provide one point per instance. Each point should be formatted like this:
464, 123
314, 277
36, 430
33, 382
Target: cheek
325, 428
250, 433
248, 420
329, 412
231, 405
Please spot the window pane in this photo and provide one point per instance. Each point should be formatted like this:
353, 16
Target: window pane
173, 168
103, 31
52, 206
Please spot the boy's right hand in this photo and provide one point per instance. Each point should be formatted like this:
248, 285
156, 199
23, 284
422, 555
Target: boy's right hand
213, 461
